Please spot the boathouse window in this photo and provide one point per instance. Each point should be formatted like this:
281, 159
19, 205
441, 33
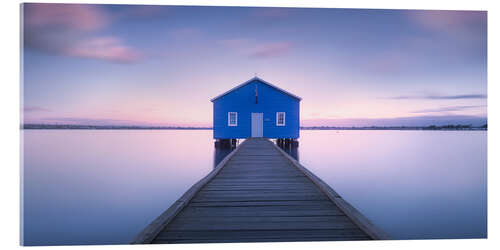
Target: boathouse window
232, 118
280, 118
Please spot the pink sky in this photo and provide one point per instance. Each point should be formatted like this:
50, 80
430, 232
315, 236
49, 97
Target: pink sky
160, 65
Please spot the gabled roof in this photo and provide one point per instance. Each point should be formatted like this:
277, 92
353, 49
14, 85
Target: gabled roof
256, 79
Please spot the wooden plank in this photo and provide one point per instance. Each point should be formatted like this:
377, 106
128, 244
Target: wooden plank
150, 232
261, 225
262, 185
226, 220
263, 234
256, 203
260, 171
283, 186
259, 198
298, 191
359, 219
259, 195
285, 180
245, 240
256, 188
245, 193
262, 211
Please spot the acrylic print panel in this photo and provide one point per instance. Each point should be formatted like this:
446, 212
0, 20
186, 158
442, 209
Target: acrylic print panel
137, 124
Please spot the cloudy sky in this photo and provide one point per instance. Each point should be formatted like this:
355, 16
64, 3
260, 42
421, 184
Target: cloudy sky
160, 65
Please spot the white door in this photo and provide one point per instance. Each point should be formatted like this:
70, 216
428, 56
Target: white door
257, 124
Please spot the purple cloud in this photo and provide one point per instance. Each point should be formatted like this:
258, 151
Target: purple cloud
447, 20
105, 48
88, 121
141, 12
447, 109
424, 120
255, 49
440, 97
67, 30
272, 49
81, 17
35, 109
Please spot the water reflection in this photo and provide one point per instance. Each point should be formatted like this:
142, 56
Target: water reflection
411, 184
220, 154
104, 187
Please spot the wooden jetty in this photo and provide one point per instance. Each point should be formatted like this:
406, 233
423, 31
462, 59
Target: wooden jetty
258, 193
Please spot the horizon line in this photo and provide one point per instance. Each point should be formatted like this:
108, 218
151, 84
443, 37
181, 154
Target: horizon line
204, 127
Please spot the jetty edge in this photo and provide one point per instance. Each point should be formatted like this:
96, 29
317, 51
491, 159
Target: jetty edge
147, 235
351, 225
358, 218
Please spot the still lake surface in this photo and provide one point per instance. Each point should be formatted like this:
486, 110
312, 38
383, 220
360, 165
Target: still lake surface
105, 186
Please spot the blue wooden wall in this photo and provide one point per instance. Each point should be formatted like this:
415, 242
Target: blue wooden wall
270, 101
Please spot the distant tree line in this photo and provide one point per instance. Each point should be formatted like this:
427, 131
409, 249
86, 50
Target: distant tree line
455, 127
431, 127
69, 126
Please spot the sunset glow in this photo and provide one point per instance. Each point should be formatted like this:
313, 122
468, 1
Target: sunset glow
161, 65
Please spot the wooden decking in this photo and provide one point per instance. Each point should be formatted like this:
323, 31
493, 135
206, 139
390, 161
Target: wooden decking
258, 193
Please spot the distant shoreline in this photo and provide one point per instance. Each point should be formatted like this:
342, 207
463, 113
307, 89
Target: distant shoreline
112, 127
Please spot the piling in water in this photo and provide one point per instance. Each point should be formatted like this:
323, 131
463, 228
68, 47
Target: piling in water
287, 142
226, 143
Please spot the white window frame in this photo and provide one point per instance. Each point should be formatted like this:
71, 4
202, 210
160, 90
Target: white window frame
229, 119
284, 118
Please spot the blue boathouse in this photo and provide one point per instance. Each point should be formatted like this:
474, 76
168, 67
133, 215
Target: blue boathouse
256, 108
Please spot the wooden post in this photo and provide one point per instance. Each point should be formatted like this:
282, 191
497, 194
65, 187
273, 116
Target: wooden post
225, 143
287, 143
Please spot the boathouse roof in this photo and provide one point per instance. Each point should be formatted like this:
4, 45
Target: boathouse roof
260, 80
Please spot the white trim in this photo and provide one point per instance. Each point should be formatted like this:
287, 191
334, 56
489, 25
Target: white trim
284, 118
255, 78
229, 119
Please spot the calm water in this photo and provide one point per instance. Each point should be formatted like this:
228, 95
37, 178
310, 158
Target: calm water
105, 186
